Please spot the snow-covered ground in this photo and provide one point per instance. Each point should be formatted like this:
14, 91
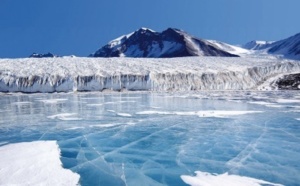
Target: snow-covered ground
34, 163
170, 74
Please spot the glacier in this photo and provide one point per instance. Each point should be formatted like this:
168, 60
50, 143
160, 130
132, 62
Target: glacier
152, 138
72, 74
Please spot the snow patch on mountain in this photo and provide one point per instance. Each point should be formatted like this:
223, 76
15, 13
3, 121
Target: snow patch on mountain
257, 45
230, 48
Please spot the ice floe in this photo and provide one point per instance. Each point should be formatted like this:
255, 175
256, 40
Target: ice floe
208, 179
34, 163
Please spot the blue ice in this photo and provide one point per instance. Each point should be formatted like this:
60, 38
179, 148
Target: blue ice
154, 139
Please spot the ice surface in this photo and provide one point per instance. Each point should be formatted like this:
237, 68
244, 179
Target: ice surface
119, 74
207, 179
112, 144
34, 163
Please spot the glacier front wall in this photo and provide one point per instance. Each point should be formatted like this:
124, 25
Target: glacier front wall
250, 79
79, 83
210, 74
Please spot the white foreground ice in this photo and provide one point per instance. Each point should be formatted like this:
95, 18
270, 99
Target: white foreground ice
34, 163
176, 74
207, 179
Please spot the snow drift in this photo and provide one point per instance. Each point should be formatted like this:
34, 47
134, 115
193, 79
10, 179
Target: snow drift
176, 74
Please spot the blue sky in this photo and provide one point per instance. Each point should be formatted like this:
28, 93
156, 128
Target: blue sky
80, 27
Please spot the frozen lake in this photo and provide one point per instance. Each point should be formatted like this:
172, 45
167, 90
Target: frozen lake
163, 138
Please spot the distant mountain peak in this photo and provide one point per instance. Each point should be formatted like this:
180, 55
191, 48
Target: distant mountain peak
36, 55
257, 45
171, 42
174, 30
289, 47
144, 29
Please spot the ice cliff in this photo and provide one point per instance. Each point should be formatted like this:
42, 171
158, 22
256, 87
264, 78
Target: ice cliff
176, 74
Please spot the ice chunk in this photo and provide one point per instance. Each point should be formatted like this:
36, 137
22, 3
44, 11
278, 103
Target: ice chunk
111, 111
64, 116
53, 101
152, 112
75, 128
261, 103
106, 125
94, 104
204, 113
224, 113
288, 101
22, 103
70, 118
207, 179
34, 163
124, 114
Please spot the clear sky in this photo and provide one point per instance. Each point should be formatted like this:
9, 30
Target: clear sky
80, 27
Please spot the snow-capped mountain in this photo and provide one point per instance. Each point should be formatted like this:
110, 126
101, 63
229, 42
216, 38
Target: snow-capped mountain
289, 47
257, 45
169, 43
36, 55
